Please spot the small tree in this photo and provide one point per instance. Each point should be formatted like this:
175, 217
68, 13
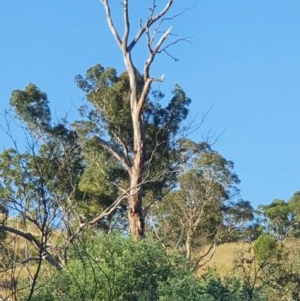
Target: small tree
191, 218
281, 218
39, 186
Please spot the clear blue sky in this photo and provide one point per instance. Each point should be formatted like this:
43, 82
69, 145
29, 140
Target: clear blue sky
243, 61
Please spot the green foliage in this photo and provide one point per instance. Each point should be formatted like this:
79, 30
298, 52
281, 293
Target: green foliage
185, 288
265, 247
114, 268
108, 117
109, 95
294, 206
49, 172
276, 273
53, 159
238, 221
191, 216
31, 106
282, 218
62, 161
228, 289
277, 250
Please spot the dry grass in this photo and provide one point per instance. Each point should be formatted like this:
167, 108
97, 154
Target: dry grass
238, 257
227, 257
12, 272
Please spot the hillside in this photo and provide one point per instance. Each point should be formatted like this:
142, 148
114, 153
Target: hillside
227, 257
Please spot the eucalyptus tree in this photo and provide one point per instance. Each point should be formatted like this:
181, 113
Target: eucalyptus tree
192, 216
281, 218
38, 185
109, 145
129, 120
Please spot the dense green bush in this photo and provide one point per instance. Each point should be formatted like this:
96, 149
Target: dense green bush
114, 268
265, 247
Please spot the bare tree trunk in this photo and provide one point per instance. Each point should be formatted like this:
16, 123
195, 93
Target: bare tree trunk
137, 101
136, 216
135, 208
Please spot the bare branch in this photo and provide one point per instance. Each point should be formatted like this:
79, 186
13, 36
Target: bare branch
126, 25
104, 213
209, 252
35, 242
111, 26
116, 153
28, 236
151, 20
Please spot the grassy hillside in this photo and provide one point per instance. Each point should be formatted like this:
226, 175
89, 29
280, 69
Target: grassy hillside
228, 257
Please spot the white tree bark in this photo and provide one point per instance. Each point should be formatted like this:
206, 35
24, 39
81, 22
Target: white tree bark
135, 208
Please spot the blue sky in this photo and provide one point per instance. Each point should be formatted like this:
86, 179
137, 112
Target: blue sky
242, 65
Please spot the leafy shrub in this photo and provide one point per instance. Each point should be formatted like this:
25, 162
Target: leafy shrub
114, 268
265, 247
